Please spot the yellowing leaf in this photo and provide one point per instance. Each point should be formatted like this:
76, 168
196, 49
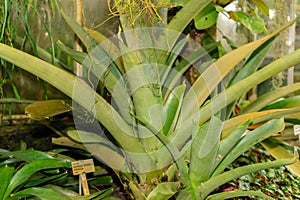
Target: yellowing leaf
279, 152
262, 7
40, 110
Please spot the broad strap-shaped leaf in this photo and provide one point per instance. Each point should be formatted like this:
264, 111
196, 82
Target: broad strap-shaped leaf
47, 180
256, 117
102, 194
78, 56
100, 63
66, 141
23, 174
84, 37
279, 152
101, 180
114, 76
100, 147
87, 137
251, 65
232, 93
164, 191
84, 95
250, 139
110, 47
40, 110
240, 88
177, 72
211, 77
42, 193
238, 193
6, 173
223, 178
290, 102
144, 87
172, 107
173, 55
229, 143
269, 97
204, 149
183, 18
28, 155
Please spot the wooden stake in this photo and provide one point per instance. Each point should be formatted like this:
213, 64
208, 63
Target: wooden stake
80, 168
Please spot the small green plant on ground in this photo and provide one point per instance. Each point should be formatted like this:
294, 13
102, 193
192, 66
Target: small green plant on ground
27, 173
162, 136
278, 182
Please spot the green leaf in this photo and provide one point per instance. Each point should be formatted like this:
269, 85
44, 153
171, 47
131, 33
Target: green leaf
172, 108
223, 178
97, 195
240, 88
220, 8
137, 193
164, 191
252, 138
253, 61
262, 7
204, 149
165, 72
76, 55
230, 142
63, 188
223, 2
46, 179
207, 17
40, 110
84, 37
238, 193
86, 137
279, 152
269, 97
184, 64
66, 82
256, 117
211, 77
6, 173
103, 194
101, 180
180, 21
111, 198
99, 147
14, 100
42, 193
284, 103
252, 64
230, 42
254, 24
174, 2
28, 155
28, 170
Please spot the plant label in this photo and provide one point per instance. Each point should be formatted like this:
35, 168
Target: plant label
297, 131
83, 166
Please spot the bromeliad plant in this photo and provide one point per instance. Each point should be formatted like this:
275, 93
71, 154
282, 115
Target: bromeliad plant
162, 136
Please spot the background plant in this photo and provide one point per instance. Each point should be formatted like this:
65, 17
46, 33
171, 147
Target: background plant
31, 173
